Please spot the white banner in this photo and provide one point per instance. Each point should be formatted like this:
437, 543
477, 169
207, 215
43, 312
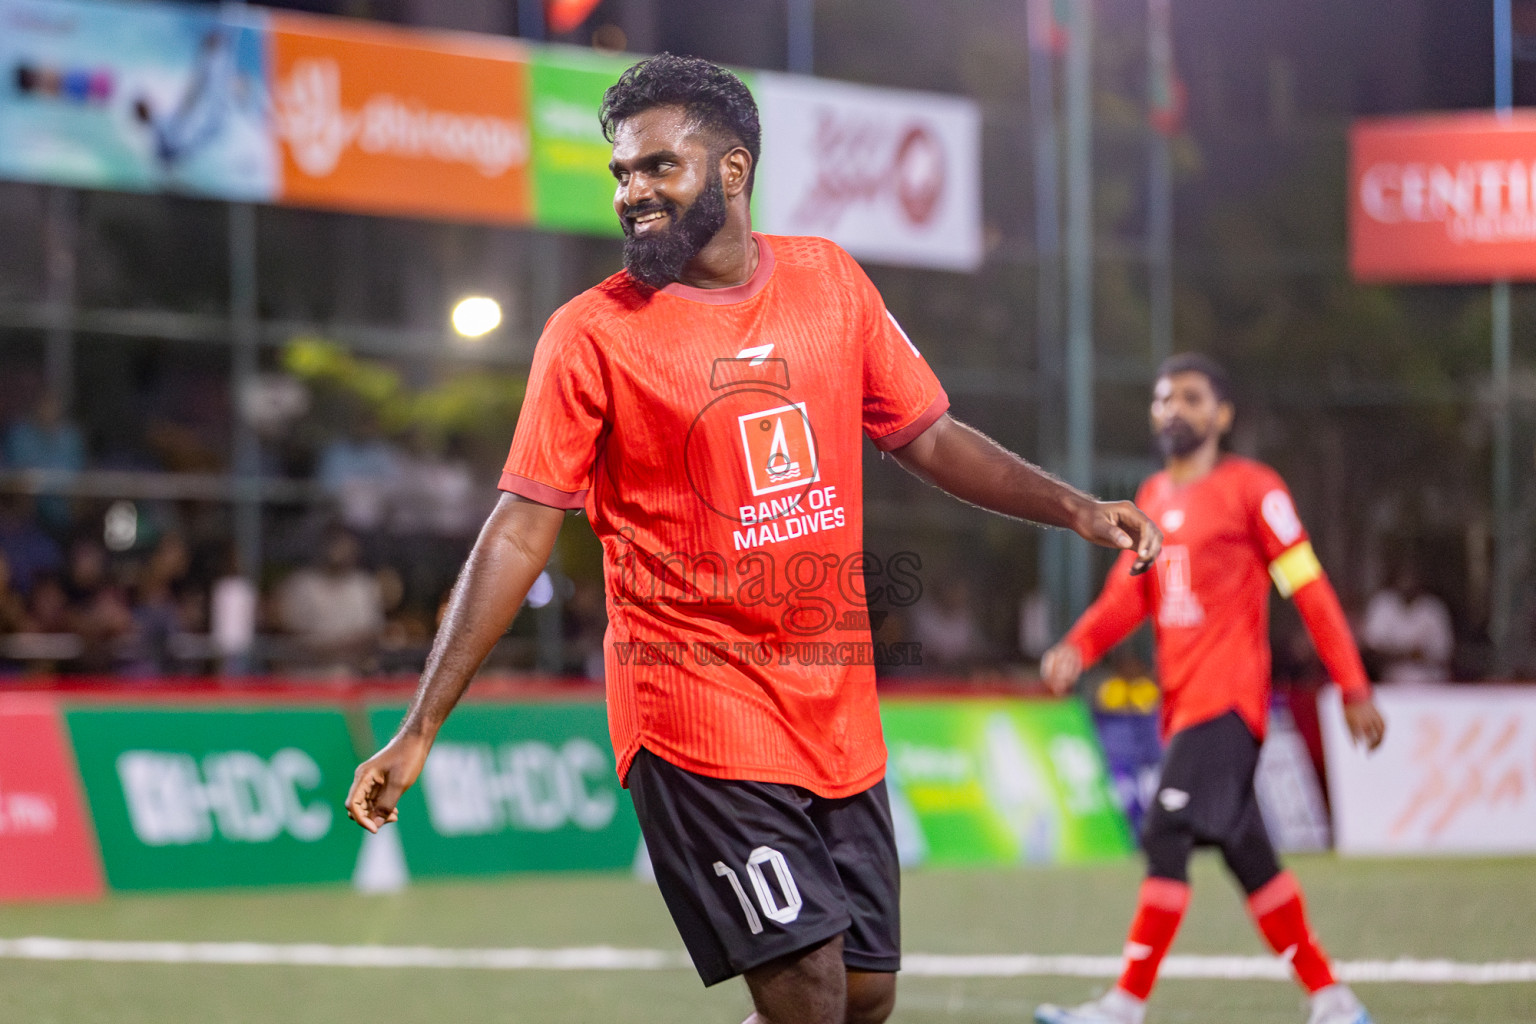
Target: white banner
1456, 773
1290, 798
891, 176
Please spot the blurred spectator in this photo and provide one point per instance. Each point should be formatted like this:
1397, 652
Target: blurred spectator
157, 611
47, 441
945, 626
1407, 631
13, 607
50, 640
28, 550
360, 472
48, 605
334, 609
232, 610
1035, 634
435, 492
407, 637
585, 622
98, 609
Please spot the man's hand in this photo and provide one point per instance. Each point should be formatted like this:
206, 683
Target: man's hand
1060, 668
1365, 722
512, 549
380, 781
1120, 524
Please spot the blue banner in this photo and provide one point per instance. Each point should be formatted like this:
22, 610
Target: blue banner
135, 96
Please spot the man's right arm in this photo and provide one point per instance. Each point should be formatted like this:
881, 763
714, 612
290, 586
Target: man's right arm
513, 548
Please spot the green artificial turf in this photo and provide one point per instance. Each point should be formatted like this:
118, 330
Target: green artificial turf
1467, 910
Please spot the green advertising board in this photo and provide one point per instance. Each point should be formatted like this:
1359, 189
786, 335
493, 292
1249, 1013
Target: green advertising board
1000, 781
186, 798
516, 787
572, 188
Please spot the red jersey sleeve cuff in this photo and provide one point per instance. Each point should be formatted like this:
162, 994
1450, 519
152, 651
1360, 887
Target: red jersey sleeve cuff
1355, 692
542, 493
907, 434
1087, 653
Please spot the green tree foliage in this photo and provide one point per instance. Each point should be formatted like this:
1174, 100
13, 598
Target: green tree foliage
478, 404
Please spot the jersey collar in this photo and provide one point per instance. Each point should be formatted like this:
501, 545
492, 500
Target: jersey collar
738, 293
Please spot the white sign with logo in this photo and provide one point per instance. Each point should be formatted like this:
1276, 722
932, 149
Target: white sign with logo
318, 129
175, 801
1455, 774
474, 789
1290, 798
891, 176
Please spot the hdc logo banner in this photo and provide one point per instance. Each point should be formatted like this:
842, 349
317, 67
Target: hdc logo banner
1446, 197
190, 798
47, 850
516, 787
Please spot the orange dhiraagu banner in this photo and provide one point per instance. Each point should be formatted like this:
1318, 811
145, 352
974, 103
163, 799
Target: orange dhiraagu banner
383, 120
1444, 197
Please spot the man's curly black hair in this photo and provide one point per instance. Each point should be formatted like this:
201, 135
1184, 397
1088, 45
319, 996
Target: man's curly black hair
1197, 362
716, 101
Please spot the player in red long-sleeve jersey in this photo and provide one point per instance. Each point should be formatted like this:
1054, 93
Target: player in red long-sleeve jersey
1229, 528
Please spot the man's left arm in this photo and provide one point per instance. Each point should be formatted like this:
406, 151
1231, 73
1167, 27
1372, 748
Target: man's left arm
904, 414
1299, 576
974, 468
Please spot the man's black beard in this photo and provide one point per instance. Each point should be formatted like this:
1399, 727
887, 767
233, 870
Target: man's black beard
658, 259
1178, 440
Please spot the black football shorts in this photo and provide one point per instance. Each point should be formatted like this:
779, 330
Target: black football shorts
752, 871
1206, 785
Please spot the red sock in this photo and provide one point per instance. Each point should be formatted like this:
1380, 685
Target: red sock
1278, 910
1159, 910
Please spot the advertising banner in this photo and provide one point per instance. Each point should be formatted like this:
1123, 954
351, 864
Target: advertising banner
1444, 197
1000, 782
135, 96
386, 120
891, 176
572, 187
516, 787
270, 106
197, 798
1290, 796
1456, 773
1125, 712
47, 848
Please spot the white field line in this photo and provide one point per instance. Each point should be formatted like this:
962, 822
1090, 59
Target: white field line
608, 958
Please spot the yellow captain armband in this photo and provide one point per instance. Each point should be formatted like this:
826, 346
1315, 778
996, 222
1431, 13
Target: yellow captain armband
1295, 569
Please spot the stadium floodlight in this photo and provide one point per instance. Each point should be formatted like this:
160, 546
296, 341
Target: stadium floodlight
476, 316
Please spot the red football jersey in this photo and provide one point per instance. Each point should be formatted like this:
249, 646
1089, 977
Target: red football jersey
1225, 537
715, 438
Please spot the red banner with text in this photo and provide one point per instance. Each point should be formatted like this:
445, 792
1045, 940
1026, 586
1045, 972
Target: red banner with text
47, 847
1443, 198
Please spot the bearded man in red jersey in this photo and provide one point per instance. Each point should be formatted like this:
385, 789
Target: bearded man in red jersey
1229, 528
707, 408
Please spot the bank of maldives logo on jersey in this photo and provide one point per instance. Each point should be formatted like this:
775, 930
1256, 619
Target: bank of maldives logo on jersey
780, 450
